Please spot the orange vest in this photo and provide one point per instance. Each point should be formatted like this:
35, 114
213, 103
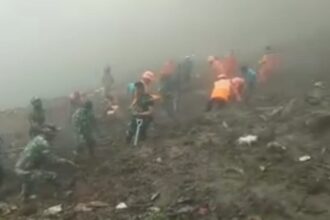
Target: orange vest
222, 89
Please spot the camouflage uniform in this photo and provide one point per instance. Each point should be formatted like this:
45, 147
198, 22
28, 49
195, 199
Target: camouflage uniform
28, 167
84, 122
37, 121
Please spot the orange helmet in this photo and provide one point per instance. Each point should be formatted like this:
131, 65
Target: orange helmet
148, 75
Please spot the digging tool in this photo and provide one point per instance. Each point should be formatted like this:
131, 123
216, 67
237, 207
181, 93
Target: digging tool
139, 123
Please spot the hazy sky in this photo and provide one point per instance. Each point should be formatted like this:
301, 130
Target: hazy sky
51, 47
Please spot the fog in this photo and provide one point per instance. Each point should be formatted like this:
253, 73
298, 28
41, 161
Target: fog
51, 47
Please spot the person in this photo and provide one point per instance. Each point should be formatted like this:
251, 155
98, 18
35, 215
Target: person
147, 78
84, 123
250, 77
37, 117
141, 108
230, 65
267, 64
76, 100
29, 166
108, 81
216, 65
169, 88
238, 88
221, 93
186, 69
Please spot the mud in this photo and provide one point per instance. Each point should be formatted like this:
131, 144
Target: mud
195, 169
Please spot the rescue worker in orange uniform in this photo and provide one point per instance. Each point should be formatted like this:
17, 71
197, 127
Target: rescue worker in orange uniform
230, 65
221, 93
216, 65
267, 65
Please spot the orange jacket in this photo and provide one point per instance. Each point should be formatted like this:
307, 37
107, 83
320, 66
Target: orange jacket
222, 89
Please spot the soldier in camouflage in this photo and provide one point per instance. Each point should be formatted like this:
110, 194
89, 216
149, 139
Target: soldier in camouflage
37, 117
84, 123
36, 153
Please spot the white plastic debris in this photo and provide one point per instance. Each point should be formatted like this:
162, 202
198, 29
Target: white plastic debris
305, 158
54, 210
262, 168
225, 125
159, 160
247, 140
121, 205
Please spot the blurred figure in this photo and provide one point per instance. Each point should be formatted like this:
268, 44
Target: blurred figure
221, 93
185, 69
37, 117
250, 77
169, 88
84, 123
238, 88
267, 64
37, 153
142, 109
108, 81
230, 65
76, 101
147, 78
216, 66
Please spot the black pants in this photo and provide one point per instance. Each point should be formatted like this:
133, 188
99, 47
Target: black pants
213, 102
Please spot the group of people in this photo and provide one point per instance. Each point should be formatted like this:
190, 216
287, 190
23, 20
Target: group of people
231, 83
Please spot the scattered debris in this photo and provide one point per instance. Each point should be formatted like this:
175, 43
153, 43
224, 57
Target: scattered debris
6, 209
154, 209
155, 196
247, 140
159, 160
225, 125
305, 158
54, 210
121, 205
98, 204
82, 207
254, 217
262, 168
235, 169
276, 146
184, 210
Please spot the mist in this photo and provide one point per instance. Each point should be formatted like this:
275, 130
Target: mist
50, 48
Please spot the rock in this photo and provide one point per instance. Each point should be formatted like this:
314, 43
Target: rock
276, 146
6, 209
185, 210
154, 209
54, 210
98, 204
121, 206
82, 207
247, 140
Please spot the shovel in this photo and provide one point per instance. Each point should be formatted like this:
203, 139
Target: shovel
139, 123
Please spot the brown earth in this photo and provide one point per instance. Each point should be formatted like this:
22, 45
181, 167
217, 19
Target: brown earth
195, 169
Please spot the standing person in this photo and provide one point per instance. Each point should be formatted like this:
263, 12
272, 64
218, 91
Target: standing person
142, 108
108, 81
37, 117
230, 65
186, 69
147, 78
250, 77
238, 88
29, 166
167, 90
267, 64
221, 93
84, 123
216, 65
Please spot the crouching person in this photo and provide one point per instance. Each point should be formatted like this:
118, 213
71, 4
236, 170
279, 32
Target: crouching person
221, 93
142, 109
37, 153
